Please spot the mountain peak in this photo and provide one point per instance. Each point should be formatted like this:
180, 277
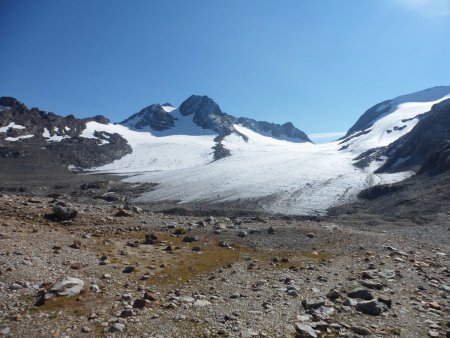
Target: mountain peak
199, 104
154, 116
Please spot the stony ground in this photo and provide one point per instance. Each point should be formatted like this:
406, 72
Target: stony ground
146, 274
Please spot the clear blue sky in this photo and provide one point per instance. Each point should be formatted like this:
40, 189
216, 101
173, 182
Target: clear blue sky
317, 63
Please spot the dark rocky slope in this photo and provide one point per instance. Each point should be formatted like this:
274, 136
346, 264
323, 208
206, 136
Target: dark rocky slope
53, 139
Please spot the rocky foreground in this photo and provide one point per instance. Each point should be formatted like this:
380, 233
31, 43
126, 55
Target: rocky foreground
83, 270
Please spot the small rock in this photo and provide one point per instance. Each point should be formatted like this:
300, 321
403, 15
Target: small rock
123, 213
371, 307
190, 239
312, 303
117, 327
242, 234
68, 286
139, 303
127, 313
150, 296
305, 330
5, 332
372, 285
433, 333
361, 330
94, 288
201, 303
128, 269
333, 294
75, 245
127, 296
85, 329
386, 301
63, 213
248, 333
151, 238
360, 293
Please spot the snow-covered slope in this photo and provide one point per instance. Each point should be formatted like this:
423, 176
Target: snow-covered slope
153, 153
285, 177
391, 119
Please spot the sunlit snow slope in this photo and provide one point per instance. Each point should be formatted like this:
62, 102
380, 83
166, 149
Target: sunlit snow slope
286, 177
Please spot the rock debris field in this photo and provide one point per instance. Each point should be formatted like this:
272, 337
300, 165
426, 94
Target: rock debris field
72, 269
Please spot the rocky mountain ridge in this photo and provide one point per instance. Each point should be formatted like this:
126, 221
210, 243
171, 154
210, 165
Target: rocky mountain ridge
46, 137
207, 115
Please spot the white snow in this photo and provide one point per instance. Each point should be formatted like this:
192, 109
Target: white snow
53, 138
11, 125
13, 139
286, 177
168, 109
151, 153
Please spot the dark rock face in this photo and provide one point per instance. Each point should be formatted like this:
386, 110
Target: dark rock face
379, 190
154, 117
219, 150
425, 148
70, 149
438, 161
207, 114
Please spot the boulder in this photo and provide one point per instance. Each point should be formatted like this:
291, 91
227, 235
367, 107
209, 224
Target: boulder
63, 214
360, 293
371, 307
68, 286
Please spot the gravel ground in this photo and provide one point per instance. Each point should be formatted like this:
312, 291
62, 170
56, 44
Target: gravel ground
150, 274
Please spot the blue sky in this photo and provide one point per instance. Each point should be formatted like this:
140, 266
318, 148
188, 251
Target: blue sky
317, 63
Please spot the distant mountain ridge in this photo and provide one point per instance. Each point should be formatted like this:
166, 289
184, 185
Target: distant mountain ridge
207, 115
